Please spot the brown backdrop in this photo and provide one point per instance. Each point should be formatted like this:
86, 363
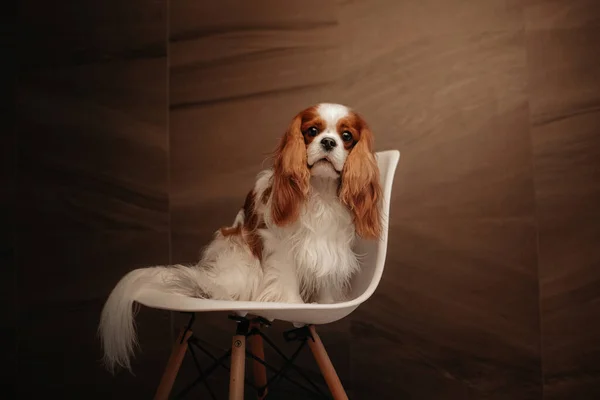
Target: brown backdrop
140, 126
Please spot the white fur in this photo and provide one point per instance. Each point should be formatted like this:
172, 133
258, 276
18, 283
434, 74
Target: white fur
117, 319
309, 260
330, 113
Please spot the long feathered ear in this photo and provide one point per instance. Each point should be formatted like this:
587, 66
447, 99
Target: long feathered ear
360, 188
290, 176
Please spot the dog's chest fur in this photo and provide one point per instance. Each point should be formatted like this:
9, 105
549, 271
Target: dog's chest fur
321, 240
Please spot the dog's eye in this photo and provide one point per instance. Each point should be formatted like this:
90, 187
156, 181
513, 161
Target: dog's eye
346, 136
312, 131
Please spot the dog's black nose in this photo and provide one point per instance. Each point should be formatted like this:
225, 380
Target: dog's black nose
328, 143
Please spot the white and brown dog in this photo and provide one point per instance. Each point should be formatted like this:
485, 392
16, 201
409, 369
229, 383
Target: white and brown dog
293, 239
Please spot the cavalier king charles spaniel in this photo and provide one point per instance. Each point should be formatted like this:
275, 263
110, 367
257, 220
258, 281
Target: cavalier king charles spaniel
293, 239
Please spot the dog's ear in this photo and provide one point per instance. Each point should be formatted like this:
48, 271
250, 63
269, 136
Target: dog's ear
290, 175
360, 187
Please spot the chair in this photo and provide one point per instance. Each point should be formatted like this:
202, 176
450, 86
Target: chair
303, 316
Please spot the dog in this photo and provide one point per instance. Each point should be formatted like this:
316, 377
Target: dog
292, 241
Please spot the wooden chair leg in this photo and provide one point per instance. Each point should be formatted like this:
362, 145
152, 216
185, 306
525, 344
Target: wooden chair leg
172, 368
238, 367
259, 370
326, 367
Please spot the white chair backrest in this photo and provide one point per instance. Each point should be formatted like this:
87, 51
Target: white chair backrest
373, 252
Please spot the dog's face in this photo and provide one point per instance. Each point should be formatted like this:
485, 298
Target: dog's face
328, 141
330, 132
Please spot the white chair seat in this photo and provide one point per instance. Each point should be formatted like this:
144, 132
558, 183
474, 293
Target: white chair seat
363, 285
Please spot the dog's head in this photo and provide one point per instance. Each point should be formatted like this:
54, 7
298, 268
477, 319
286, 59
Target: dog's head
329, 141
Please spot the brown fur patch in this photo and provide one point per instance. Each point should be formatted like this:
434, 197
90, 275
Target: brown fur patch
231, 230
360, 189
353, 124
254, 242
248, 231
250, 216
265, 196
311, 118
291, 175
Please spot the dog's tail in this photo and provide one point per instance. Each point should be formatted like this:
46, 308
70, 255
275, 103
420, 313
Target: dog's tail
117, 326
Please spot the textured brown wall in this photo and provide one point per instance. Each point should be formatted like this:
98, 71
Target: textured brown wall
140, 126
